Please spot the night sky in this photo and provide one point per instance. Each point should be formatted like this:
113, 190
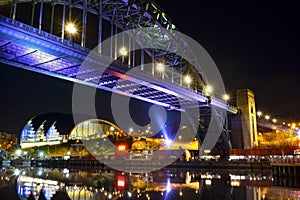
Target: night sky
255, 46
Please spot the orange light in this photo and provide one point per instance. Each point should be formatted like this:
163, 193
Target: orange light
122, 147
235, 183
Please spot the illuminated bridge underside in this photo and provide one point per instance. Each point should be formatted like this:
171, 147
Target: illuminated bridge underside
35, 50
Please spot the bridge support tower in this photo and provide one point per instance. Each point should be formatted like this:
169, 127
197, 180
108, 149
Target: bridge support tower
246, 104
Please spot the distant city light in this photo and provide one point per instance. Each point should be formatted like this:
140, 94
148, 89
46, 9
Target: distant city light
267, 117
18, 152
207, 182
71, 28
274, 120
41, 153
17, 172
123, 51
130, 130
112, 128
122, 147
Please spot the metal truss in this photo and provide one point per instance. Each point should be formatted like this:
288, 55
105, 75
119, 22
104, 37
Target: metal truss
123, 15
32, 48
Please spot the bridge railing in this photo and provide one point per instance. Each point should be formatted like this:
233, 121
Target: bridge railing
42, 33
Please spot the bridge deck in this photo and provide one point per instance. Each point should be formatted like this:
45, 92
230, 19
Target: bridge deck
27, 47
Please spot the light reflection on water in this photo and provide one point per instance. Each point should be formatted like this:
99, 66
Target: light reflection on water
164, 184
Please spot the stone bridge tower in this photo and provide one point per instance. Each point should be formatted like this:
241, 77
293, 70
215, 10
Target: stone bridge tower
246, 104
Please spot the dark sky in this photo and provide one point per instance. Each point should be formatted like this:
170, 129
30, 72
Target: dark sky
255, 46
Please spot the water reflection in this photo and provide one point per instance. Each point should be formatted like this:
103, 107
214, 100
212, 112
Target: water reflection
163, 184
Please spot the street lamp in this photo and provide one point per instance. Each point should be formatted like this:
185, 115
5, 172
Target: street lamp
274, 120
226, 97
188, 80
267, 117
71, 29
259, 113
208, 89
123, 51
160, 67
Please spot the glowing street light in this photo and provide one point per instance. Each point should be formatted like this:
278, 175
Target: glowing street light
71, 29
259, 113
274, 120
123, 51
160, 67
209, 89
187, 79
267, 117
225, 97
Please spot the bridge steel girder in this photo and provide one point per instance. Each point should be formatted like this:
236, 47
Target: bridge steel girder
123, 14
129, 14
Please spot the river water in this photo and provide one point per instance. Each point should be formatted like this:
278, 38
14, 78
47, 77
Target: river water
167, 183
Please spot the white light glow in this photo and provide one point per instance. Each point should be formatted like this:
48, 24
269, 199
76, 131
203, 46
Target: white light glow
168, 142
187, 79
225, 97
71, 28
123, 51
160, 67
209, 89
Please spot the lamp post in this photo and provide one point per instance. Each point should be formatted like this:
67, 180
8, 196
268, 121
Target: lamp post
123, 52
226, 97
259, 113
71, 29
188, 80
208, 90
160, 67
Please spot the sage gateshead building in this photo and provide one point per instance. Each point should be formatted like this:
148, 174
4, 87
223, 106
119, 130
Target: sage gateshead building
57, 128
